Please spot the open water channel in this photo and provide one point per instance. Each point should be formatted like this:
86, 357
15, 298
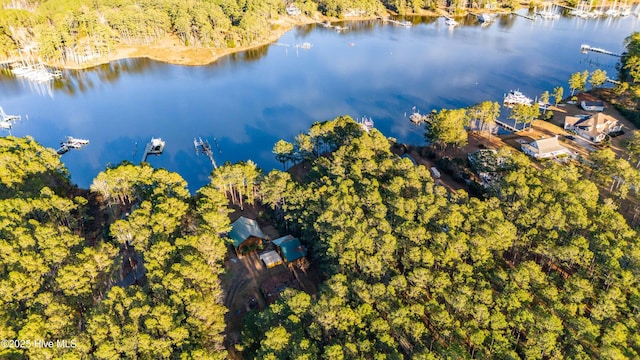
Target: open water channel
247, 101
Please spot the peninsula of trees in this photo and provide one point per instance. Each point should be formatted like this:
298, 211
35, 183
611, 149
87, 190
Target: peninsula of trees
74, 31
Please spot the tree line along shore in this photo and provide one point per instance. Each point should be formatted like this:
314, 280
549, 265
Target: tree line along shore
82, 33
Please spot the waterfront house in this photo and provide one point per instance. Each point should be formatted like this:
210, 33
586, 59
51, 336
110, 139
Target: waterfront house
290, 248
246, 235
592, 127
545, 148
592, 105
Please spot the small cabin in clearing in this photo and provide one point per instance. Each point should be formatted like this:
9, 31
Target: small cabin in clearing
246, 234
290, 248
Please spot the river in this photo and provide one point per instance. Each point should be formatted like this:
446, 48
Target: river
247, 101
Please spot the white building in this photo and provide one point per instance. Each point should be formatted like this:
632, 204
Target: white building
545, 148
592, 127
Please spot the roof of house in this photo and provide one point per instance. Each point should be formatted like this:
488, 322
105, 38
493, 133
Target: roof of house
545, 146
280, 240
595, 124
592, 103
244, 228
572, 120
271, 258
291, 248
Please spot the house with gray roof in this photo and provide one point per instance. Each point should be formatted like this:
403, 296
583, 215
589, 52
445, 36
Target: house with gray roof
545, 148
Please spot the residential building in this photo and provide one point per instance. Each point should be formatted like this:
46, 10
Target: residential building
545, 148
246, 234
592, 127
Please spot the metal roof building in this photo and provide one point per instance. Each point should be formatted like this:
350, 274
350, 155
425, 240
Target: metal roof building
290, 248
245, 232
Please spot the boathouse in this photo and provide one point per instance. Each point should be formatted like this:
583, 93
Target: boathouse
592, 105
290, 248
246, 235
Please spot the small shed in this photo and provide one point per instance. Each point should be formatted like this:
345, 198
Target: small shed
290, 248
245, 233
592, 105
270, 259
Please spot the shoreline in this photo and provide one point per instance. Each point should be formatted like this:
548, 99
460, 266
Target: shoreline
172, 51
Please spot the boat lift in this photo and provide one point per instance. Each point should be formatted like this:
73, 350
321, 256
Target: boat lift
153, 147
203, 147
7, 121
71, 143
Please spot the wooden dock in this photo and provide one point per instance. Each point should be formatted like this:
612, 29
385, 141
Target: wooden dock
610, 80
584, 48
524, 16
203, 147
399, 23
508, 126
153, 147
71, 143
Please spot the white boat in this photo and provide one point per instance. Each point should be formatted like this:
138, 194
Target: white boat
485, 18
516, 97
451, 23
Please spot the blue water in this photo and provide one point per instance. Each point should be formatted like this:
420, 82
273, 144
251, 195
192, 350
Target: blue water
249, 100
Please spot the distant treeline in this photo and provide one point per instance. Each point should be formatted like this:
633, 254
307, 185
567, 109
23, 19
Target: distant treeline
76, 30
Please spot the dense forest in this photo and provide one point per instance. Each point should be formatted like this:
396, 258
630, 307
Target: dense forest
543, 268
80, 30
61, 281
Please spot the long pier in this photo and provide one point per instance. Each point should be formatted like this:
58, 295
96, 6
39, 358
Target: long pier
508, 127
584, 48
396, 22
524, 16
610, 80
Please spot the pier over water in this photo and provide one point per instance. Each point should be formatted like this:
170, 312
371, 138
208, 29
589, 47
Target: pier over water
584, 48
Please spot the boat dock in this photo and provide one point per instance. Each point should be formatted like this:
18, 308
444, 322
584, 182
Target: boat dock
584, 48
396, 22
153, 147
71, 143
524, 16
610, 80
203, 147
4, 117
366, 124
7, 121
508, 126
35, 72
